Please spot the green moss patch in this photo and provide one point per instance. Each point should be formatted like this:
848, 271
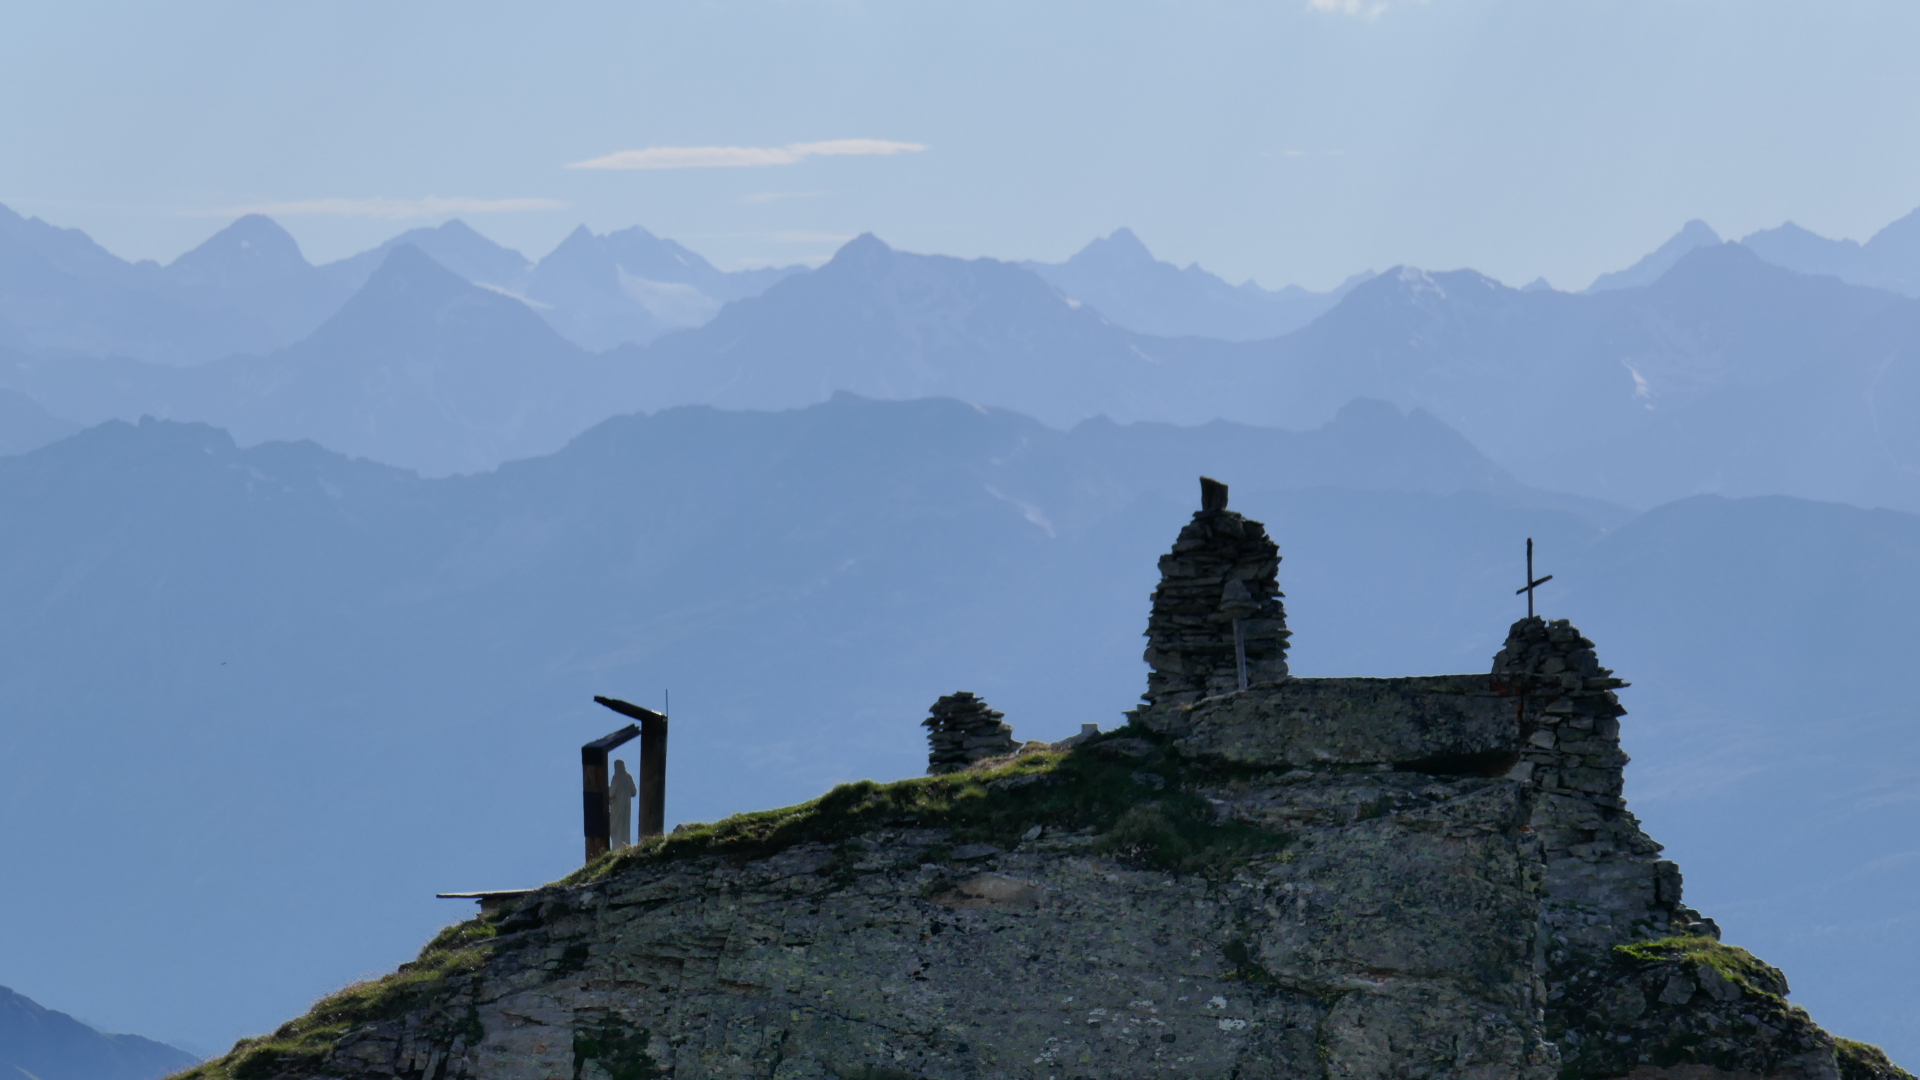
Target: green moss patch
1740, 967
1142, 808
455, 952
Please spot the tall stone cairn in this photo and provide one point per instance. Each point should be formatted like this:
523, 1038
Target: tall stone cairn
963, 730
1223, 568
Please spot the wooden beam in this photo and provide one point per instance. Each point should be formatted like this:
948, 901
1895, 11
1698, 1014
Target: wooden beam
653, 763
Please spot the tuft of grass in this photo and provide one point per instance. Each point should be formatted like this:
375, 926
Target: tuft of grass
1740, 967
305, 1041
1861, 1061
1081, 788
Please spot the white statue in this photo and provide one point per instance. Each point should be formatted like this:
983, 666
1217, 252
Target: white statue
620, 793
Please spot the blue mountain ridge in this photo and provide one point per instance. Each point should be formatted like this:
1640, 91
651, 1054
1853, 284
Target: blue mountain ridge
248, 289
1121, 279
1727, 375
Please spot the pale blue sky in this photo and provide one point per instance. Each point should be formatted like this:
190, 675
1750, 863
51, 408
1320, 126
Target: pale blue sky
1278, 139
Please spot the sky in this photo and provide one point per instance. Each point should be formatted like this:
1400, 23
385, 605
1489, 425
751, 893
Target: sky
1290, 141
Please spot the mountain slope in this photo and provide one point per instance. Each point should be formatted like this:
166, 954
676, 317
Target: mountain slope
255, 267
46, 1045
632, 286
420, 369
24, 425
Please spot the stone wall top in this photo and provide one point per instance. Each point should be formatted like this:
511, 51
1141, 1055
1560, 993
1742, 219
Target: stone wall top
1440, 723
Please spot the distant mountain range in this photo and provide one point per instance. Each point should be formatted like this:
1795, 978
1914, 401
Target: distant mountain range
1726, 375
39, 1044
320, 690
249, 290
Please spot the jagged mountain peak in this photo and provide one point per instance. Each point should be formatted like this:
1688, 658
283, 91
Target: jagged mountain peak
1695, 233
409, 294
252, 246
580, 246
866, 249
1120, 277
1121, 247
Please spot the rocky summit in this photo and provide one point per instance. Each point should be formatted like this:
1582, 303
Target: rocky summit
1328, 879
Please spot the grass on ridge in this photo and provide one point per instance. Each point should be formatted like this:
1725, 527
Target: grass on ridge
456, 950
1165, 827
1168, 828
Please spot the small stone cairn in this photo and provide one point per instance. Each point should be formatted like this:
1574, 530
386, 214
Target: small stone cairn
963, 730
1573, 758
1223, 570
1576, 747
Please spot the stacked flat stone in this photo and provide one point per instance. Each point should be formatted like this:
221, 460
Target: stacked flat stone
963, 730
1222, 568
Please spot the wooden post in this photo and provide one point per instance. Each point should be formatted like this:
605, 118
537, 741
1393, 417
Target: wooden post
593, 793
653, 776
593, 789
653, 764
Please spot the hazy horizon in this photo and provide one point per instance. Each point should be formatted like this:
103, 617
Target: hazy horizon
1289, 143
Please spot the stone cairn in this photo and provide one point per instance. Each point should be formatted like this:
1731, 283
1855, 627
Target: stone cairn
963, 730
1575, 747
1572, 756
1221, 579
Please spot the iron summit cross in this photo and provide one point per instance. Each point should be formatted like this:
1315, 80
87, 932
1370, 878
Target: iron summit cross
1531, 580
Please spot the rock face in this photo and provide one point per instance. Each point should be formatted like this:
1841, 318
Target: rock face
1219, 598
1328, 879
963, 730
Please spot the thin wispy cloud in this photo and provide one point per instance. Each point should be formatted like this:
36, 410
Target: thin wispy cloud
1360, 9
745, 157
385, 209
